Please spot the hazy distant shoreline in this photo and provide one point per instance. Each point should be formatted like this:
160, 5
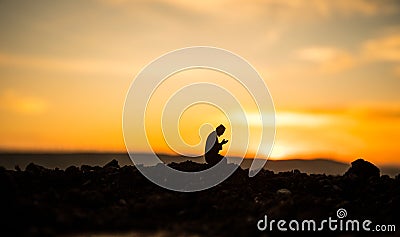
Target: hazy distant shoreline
9, 160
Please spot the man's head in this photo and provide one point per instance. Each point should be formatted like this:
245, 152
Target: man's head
220, 130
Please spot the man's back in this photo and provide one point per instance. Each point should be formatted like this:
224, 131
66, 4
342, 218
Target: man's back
213, 146
211, 142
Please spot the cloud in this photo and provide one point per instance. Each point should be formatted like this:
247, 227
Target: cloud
291, 118
329, 59
12, 101
383, 113
274, 9
301, 119
385, 48
64, 64
363, 112
333, 59
397, 71
317, 8
363, 7
114, 2
351, 116
318, 54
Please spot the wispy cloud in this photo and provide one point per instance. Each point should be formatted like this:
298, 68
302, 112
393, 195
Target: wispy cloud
386, 48
13, 101
276, 9
334, 59
363, 7
301, 119
397, 71
329, 59
64, 64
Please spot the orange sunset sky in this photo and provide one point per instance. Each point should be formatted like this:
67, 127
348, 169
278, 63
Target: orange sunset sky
332, 68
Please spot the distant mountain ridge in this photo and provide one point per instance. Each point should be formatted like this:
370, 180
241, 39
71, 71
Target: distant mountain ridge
314, 166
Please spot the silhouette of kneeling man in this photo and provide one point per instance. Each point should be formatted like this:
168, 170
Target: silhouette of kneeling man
213, 146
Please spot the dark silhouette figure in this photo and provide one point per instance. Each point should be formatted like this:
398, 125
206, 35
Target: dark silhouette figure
213, 147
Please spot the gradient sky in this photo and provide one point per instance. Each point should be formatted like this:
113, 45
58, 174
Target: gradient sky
332, 67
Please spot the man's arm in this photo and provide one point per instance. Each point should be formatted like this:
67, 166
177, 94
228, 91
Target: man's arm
224, 142
219, 144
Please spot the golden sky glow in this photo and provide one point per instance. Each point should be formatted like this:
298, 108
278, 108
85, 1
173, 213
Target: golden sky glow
332, 67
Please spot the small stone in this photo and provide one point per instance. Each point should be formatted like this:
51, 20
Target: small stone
337, 188
283, 191
296, 171
122, 202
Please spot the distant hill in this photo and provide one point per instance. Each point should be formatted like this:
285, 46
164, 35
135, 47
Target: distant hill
315, 166
62, 161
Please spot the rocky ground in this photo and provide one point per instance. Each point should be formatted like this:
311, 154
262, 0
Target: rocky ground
110, 199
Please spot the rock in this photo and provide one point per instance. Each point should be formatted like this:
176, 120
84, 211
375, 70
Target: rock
189, 166
296, 171
284, 191
112, 164
122, 202
35, 169
72, 170
385, 178
337, 188
363, 169
87, 168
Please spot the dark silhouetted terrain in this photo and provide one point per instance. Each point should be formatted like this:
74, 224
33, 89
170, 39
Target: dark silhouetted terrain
38, 201
63, 161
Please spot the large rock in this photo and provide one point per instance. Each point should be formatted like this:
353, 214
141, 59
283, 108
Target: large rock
35, 169
363, 169
112, 164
